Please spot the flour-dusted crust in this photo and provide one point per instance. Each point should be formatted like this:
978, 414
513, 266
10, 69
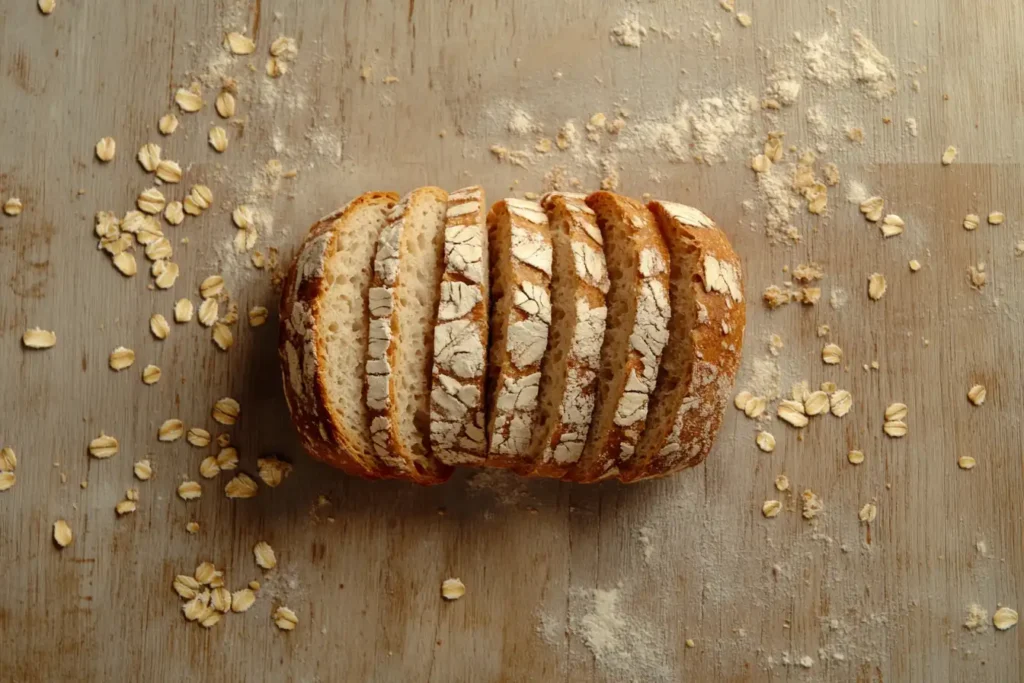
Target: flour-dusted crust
382, 358
457, 417
520, 256
635, 337
706, 340
570, 373
302, 348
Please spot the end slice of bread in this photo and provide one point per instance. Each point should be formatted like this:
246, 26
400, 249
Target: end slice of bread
403, 303
324, 334
520, 257
579, 284
635, 336
704, 349
457, 424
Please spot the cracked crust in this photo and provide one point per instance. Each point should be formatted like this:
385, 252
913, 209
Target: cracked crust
705, 345
457, 426
303, 342
636, 333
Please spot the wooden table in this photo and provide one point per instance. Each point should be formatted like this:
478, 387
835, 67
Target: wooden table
361, 564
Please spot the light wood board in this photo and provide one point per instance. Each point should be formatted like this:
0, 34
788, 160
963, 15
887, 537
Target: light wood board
363, 569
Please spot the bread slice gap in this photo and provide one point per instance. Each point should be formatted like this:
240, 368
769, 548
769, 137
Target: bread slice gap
635, 335
403, 303
704, 349
324, 334
520, 257
457, 417
579, 283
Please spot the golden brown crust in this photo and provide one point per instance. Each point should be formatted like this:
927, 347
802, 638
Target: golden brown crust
302, 351
620, 415
697, 401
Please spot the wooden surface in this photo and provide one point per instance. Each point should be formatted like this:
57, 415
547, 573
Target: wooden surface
362, 570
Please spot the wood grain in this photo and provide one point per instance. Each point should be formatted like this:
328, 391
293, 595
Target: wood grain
363, 569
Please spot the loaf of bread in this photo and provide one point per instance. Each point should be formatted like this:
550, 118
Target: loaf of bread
581, 338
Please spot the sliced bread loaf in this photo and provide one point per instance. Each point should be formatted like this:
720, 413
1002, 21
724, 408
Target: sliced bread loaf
324, 332
457, 429
520, 257
636, 333
579, 283
705, 344
403, 301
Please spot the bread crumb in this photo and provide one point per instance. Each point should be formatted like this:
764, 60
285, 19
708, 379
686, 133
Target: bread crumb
628, 32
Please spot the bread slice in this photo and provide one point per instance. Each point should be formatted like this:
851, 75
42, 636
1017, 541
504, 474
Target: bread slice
403, 303
704, 348
457, 428
637, 330
579, 283
520, 259
324, 332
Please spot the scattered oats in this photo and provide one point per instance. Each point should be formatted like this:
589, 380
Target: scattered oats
978, 276
151, 201
452, 589
765, 441
876, 286
258, 316
285, 619
996, 218
744, 19
47, 6
146, 228
159, 326
192, 527
218, 138
277, 67
210, 620
264, 555
7, 480
169, 172
211, 287
166, 274
159, 249
254, 585
231, 317
977, 394
8, 459
151, 374
198, 437
125, 507
171, 430
242, 486
896, 411
799, 391
189, 490
812, 504
223, 337
761, 163
205, 573
829, 387
242, 600
841, 401
226, 411
1005, 618
103, 446
793, 413
971, 221
195, 609
966, 462
741, 400
690, 643
832, 354
225, 104
198, 200
727, 5
149, 156
208, 468
220, 598
285, 47
855, 457
895, 428
185, 586
143, 470
126, 264
239, 44
175, 212
121, 358
168, 123
36, 338
771, 508
892, 225
782, 482
915, 265
208, 312
868, 513
106, 148
949, 155
755, 407
243, 218
62, 533
183, 310
816, 403
872, 208
273, 470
